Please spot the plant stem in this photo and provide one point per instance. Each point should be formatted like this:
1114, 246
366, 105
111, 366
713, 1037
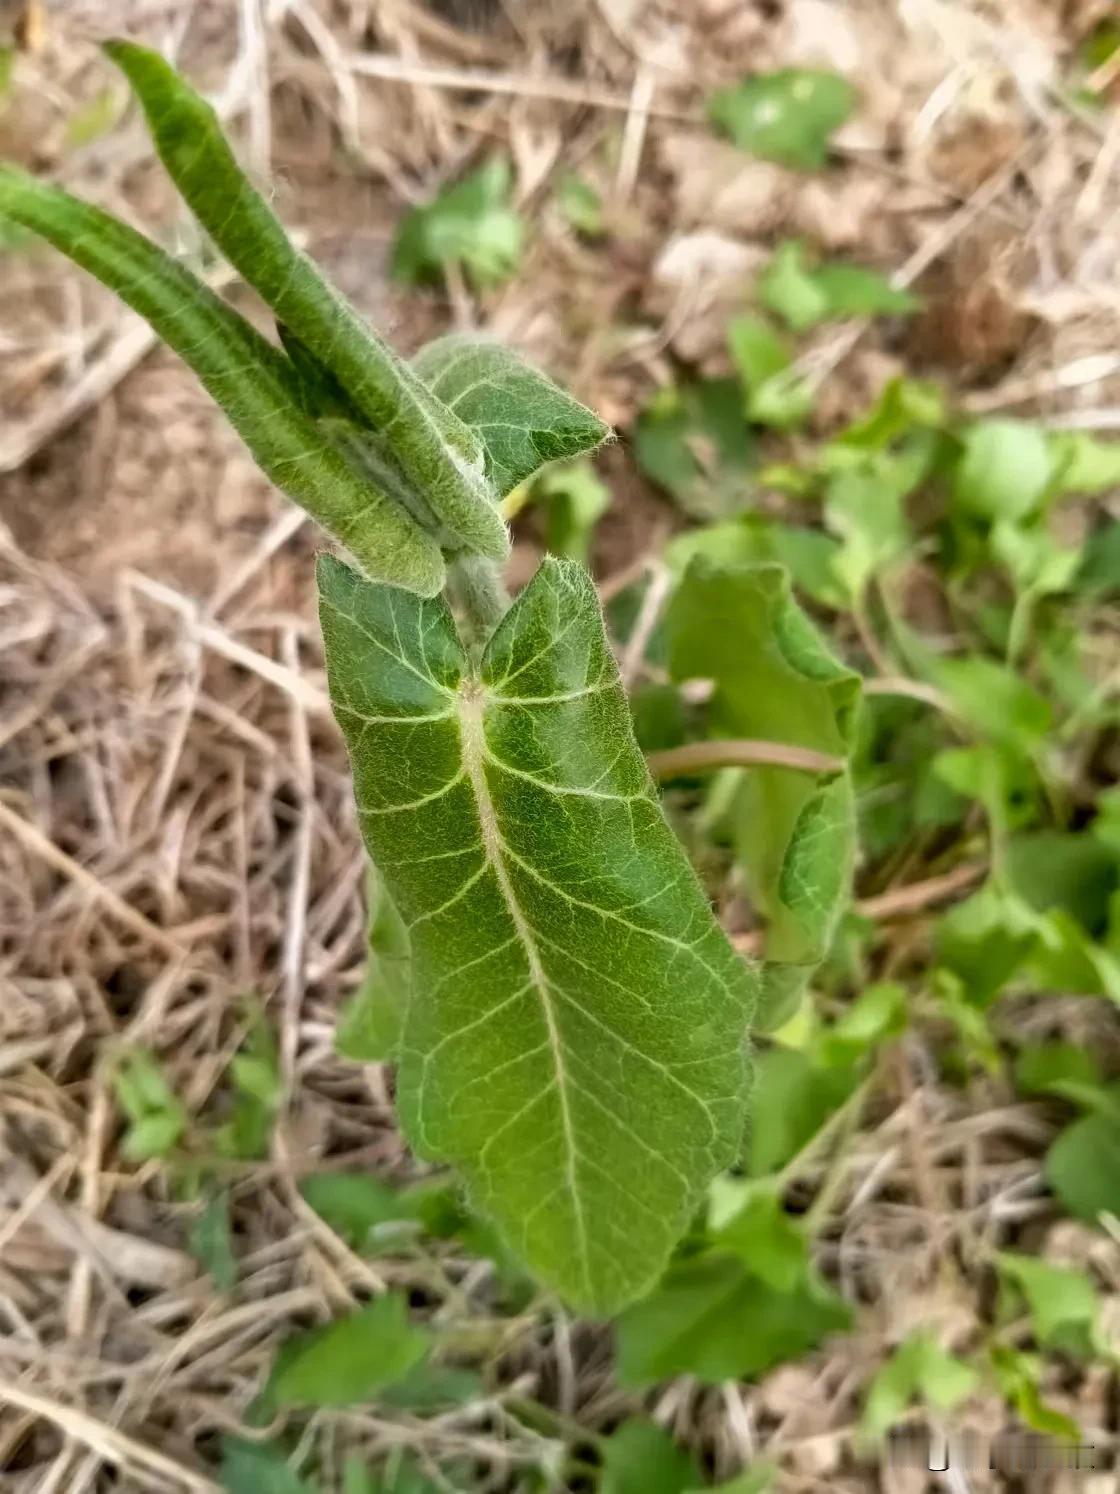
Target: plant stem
704, 757
476, 585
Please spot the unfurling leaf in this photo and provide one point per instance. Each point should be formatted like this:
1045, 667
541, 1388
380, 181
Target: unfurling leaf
439, 459
522, 418
776, 680
251, 380
575, 1038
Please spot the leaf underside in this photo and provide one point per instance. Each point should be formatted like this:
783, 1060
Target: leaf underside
575, 1037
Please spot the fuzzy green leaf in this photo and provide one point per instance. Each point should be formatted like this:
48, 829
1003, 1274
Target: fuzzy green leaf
776, 680
249, 378
439, 458
522, 418
574, 1041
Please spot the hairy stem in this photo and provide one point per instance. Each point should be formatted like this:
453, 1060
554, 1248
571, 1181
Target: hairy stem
479, 593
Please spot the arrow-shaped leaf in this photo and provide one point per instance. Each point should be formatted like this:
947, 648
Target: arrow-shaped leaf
523, 418
251, 380
439, 456
574, 1040
740, 626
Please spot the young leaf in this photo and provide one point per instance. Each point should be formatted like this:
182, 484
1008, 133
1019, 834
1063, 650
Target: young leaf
440, 459
776, 394
775, 679
522, 418
211, 1242
369, 1025
247, 376
713, 1318
575, 500
804, 295
1083, 1165
588, 1077
581, 205
641, 1458
1063, 1303
368, 1213
471, 224
787, 116
347, 1360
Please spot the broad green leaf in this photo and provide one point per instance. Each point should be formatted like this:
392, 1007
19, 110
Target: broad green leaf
247, 376
787, 116
757, 1479
776, 680
856, 290
349, 1359
369, 1025
1100, 568
766, 1240
864, 507
1084, 464
1017, 1375
439, 458
428, 1388
1083, 1165
371, 1215
521, 417
471, 224
1004, 469
788, 289
995, 701
588, 1078
713, 1318
258, 1468
576, 499
750, 539
641, 1458
1064, 1069
1062, 1303
693, 440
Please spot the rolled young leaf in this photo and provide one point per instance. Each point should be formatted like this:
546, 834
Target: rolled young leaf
439, 456
523, 418
575, 1036
250, 379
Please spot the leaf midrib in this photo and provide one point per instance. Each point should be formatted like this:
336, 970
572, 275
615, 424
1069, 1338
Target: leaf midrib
471, 703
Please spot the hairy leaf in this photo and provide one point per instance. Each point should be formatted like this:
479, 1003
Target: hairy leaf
522, 418
574, 1041
775, 679
249, 378
438, 456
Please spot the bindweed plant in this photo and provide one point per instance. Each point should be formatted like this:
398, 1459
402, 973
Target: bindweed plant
568, 1018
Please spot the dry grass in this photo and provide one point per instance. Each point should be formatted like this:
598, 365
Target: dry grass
176, 827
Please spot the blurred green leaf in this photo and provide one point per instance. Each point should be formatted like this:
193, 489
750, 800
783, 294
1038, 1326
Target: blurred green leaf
1084, 464
904, 405
1062, 1303
787, 116
93, 119
1083, 1164
639, 1457
211, 1241
348, 1360
794, 1095
471, 224
1018, 1375
755, 1480
713, 1318
776, 395
258, 1091
258, 1468
576, 499
1100, 564
751, 539
371, 1215
767, 1241
864, 508
919, 1369
157, 1117
401, 1474
581, 204
1058, 1068
369, 1025
804, 295
1004, 470
693, 440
